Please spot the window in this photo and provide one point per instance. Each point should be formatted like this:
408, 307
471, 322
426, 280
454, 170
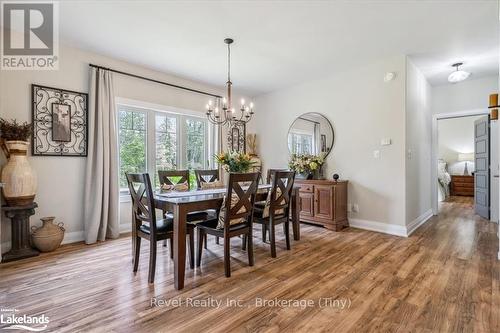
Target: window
152, 140
300, 143
132, 140
195, 143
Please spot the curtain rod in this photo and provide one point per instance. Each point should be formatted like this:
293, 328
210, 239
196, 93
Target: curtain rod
156, 81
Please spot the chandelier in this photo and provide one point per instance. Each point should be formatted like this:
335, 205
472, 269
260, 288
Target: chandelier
223, 112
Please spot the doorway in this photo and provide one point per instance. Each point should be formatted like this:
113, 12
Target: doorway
454, 162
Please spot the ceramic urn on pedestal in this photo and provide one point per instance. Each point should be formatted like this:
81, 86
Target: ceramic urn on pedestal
18, 176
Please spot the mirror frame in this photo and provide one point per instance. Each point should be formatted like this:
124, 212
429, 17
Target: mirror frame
315, 113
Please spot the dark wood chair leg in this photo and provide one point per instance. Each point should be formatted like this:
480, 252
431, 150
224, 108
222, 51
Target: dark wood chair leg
217, 240
191, 248
244, 242
200, 246
152, 260
137, 252
250, 248
171, 241
272, 238
206, 241
227, 257
264, 231
286, 227
165, 243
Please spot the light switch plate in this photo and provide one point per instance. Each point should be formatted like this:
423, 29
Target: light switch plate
376, 153
386, 142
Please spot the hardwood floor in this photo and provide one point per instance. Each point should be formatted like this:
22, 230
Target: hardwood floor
445, 277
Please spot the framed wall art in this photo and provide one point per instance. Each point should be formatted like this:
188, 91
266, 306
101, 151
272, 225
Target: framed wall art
236, 137
60, 120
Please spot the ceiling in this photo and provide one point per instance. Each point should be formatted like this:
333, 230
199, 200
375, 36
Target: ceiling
278, 43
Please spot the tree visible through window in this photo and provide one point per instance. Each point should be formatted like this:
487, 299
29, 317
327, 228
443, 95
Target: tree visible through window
132, 137
195, 143
178, 142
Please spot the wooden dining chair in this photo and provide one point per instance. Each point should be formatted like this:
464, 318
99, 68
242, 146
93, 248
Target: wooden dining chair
146, 224
234, 218
169, 177
277, 208
206, 176
262, 204
270, 173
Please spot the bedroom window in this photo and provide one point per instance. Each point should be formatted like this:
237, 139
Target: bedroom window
152, 140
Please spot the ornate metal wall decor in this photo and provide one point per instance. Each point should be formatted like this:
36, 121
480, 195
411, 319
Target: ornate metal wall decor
59, 122
236, 137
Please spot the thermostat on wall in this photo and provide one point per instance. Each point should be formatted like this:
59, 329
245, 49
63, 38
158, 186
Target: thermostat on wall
389, 76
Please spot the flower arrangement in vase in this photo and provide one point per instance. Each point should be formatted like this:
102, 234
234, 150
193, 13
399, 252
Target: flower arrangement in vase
234, 161
306, 165
18, 176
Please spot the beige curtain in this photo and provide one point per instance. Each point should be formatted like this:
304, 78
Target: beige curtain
101, 198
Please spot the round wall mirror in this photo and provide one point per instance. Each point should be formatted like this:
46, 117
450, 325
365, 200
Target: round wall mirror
311, 133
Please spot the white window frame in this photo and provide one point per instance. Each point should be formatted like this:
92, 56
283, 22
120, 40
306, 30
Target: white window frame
151, 110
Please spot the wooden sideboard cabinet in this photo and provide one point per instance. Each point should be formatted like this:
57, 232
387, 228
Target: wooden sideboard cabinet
323, 202
462, 185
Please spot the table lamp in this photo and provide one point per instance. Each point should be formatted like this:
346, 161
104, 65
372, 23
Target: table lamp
466, 157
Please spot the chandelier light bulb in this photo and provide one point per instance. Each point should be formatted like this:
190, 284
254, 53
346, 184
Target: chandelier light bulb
242, 101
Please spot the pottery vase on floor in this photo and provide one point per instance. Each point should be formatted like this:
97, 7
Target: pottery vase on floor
18, 176
49, 236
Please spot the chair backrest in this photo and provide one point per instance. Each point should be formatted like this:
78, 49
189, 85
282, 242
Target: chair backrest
143, 205
270, 173
281, 192
166, 177
243, 186
206, 176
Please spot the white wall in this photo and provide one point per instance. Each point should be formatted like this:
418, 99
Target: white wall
467, 95
418, 146
363, 110
456, 135
60, 179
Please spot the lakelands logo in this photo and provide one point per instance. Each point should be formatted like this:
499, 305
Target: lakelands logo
30, 35
15, 321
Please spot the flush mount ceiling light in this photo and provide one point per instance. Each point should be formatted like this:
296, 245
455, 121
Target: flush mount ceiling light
458, 75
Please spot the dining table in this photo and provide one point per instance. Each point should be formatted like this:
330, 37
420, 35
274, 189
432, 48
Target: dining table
180, 203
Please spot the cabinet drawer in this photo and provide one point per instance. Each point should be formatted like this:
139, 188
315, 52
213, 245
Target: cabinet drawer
463, 185
306, 188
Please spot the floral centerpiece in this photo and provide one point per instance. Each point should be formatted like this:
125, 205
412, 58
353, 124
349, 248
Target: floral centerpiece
234, 161
306, 165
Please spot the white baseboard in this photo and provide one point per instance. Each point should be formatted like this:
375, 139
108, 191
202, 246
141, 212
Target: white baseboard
413, 225
391, 229
69, 237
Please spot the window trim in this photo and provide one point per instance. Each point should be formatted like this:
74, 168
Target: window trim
151, 110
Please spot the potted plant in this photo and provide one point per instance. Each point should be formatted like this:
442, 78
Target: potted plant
17, 174
234, 161
306, 166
